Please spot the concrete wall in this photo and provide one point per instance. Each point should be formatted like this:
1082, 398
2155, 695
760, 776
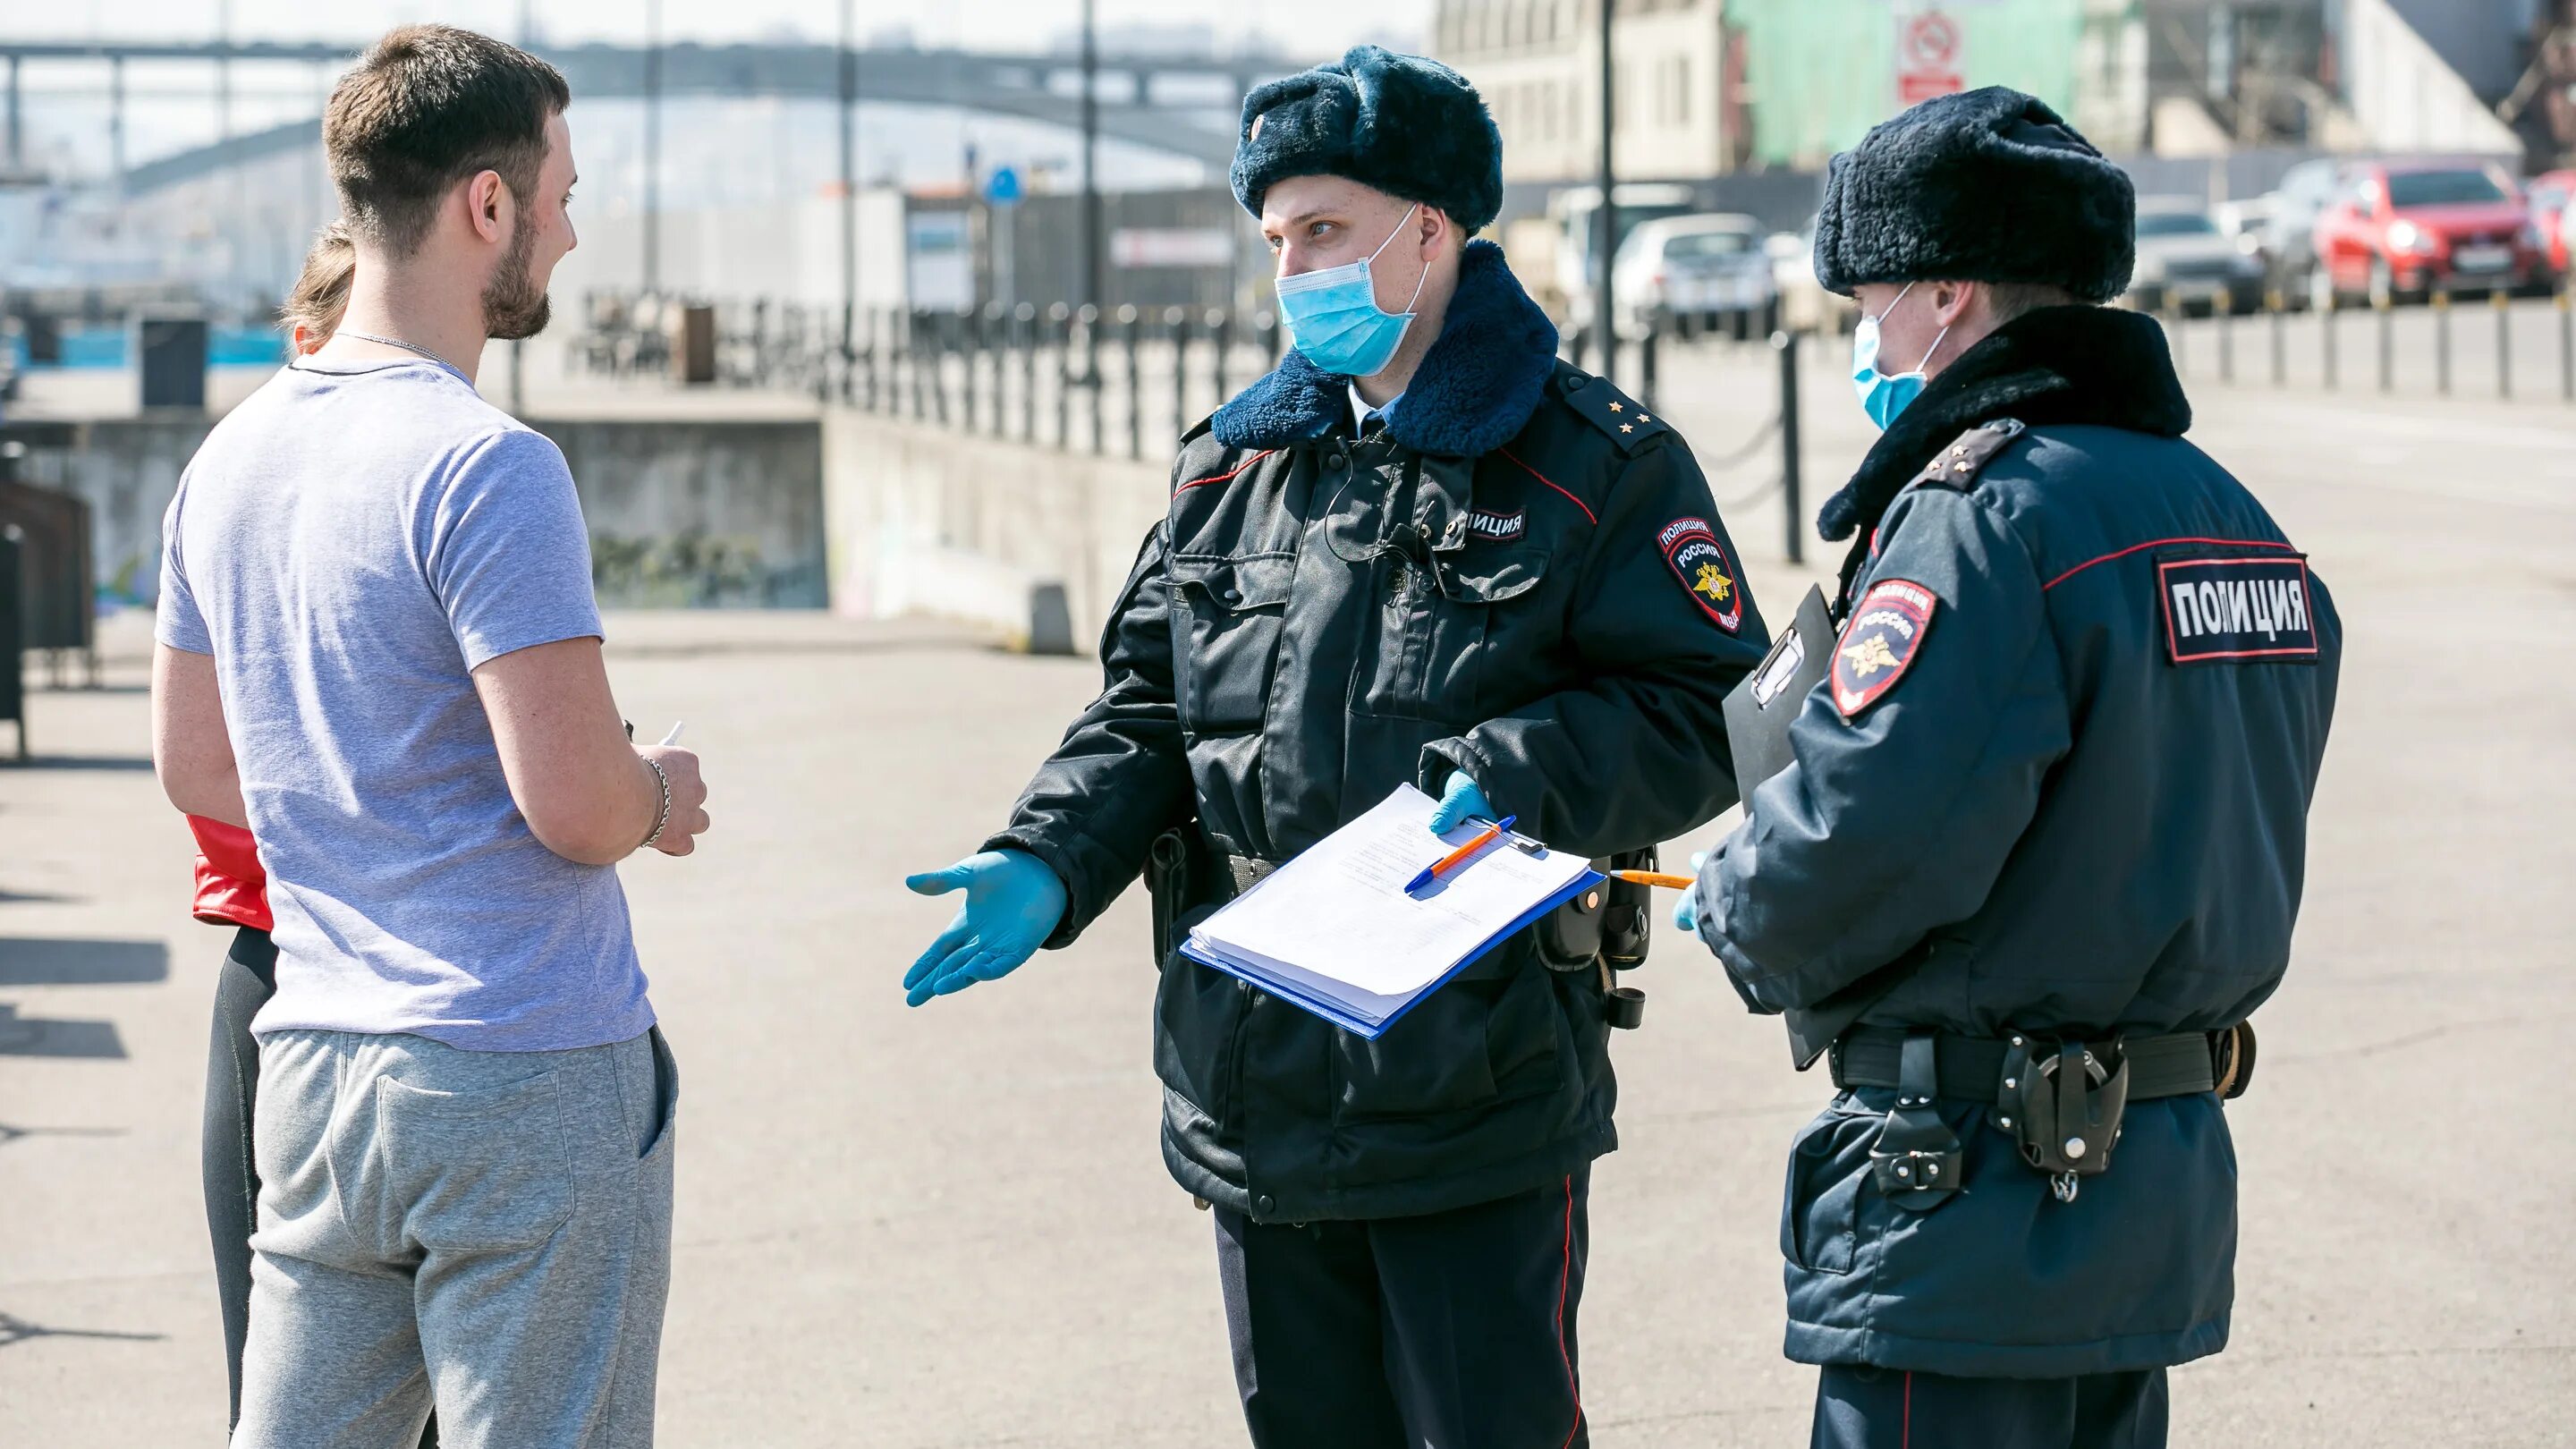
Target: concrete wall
690, 513
700, 514
925, 521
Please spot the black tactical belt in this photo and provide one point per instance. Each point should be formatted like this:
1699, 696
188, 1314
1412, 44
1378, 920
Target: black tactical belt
1972, 1067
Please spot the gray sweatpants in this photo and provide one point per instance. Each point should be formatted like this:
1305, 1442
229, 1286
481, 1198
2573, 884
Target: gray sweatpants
488, 1230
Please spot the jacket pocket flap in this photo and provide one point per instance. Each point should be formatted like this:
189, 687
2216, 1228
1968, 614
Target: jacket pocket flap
1245, 581
1490, 575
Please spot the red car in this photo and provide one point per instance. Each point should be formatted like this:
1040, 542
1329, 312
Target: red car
2549, 192
2412, 228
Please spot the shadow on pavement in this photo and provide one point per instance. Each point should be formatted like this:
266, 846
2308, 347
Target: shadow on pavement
10, 1133
47, 961
15, 1330
26, 1036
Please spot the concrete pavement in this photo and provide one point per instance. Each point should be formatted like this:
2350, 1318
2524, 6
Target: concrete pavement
950, 1227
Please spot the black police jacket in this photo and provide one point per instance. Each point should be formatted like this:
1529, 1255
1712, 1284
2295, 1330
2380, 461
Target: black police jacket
2056, 783
1521, 576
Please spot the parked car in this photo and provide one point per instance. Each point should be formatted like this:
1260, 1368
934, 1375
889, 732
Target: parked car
2285, 234
2409, 229
2550, 191
1695, 266
1805, 305
2185, 260
1575, 211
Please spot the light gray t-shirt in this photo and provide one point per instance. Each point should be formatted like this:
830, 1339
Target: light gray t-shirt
349, 544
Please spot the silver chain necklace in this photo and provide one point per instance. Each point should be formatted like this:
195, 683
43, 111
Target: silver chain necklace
395, 342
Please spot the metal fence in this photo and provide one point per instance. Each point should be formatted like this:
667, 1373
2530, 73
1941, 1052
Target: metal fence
2498, 347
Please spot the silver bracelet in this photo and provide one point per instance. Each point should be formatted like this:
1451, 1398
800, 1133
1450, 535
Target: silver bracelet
661, 822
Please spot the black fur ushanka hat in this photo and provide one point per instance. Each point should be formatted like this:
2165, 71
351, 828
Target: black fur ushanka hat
1405, 124
1984, 186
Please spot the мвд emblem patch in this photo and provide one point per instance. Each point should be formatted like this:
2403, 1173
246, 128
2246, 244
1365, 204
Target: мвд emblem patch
1700, 562
1886, 629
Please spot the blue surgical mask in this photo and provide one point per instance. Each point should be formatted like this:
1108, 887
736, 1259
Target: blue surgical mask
1333, 318
1884, 395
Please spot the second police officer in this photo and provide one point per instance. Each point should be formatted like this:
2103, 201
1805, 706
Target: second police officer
2040, 850
1422, 550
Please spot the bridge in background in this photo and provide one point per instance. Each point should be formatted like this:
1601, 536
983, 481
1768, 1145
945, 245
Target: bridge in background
1168, 103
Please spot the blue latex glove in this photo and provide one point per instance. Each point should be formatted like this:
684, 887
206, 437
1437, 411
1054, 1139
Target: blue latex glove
1013, 901
1460, 802
1686, 912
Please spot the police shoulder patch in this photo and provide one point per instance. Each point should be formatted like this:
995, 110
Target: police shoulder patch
1958, 465
2236, 609
1707, 574
1886, 629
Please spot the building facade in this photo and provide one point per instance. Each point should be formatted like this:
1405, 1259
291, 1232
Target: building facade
1702, 88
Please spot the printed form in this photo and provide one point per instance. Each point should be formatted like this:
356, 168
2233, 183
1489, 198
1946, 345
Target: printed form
1336, 923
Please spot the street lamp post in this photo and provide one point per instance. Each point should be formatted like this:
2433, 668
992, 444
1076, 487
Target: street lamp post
849, 85
652, 146
1605, 217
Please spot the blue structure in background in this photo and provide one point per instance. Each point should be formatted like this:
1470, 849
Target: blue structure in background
112, 347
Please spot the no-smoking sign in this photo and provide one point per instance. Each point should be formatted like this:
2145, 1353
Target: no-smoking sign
1929, 57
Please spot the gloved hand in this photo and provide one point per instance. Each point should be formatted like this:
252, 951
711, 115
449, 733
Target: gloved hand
1013, 901
1460, 801
1686, 911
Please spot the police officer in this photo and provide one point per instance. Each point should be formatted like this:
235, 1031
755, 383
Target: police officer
1421, 550
2039, 853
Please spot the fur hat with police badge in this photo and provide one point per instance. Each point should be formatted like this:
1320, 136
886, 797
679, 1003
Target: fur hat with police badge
1405, 124
1985, 186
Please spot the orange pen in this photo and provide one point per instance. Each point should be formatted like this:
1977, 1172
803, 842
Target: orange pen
1654, 878
1458, 857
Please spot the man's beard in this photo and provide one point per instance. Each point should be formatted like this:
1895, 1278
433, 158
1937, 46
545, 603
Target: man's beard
514, 306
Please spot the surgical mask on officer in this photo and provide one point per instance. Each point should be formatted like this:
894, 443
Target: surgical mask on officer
1884, 395
1332, 315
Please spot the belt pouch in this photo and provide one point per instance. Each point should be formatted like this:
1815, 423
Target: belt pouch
1917, 1160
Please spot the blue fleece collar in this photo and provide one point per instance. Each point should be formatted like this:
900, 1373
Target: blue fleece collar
1475, 390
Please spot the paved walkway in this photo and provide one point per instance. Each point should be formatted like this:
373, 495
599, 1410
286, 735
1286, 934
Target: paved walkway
950, 1227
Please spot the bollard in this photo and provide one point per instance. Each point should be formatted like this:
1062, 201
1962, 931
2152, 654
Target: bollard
1176, 320
2503, 306
1220, 325
1274, 337
2273, 302
2225, 324
2326, 338
1091, 319
2386, 307
2180, 339
997, 346
912, 360
1785, 343
2566, 348
2442, 342
1132, 323
1024, 325
1059, 321
1646, 351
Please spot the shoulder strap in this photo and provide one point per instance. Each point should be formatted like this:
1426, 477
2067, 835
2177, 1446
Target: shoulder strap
1620, 417
1958, 465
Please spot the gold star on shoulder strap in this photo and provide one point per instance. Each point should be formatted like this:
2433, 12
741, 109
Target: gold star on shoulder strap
1614, 407
1626, 427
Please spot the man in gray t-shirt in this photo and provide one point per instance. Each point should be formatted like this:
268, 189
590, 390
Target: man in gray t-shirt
350, 544
379, 651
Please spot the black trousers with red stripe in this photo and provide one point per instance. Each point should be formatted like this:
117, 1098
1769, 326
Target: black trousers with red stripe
1858, 1407
1449, 1329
